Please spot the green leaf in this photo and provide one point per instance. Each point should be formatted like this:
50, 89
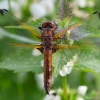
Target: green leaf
19, 59
36, 23
61, 57
4, 33
88, 58
33, 23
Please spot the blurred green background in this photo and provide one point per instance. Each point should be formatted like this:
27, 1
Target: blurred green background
25, 85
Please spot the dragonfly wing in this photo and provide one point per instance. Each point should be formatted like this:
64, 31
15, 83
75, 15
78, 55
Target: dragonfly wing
5, 12
87, 57
79, 46
80, 32
82, 28
20, 57
25, 45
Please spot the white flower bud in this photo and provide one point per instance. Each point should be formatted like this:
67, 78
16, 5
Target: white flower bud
36, 52
82, 90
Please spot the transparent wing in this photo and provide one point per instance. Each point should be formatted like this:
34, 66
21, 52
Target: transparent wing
86, 57
20, 57
79, 46
5, 13
82, 29
24, 45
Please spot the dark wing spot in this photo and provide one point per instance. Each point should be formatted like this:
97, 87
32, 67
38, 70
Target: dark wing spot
1, 12
95, 12
54, 94
5, 10
41, 49
99, 15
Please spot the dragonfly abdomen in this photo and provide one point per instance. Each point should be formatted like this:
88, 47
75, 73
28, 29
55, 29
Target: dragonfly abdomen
47, 69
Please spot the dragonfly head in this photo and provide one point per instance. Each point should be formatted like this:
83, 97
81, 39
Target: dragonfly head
48, 25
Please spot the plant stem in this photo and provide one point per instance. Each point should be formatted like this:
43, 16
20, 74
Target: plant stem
20, 89
64, 86
9, 5
82, 80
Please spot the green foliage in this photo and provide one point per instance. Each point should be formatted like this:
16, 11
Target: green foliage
71, 94
20, 59
19, 86
85, 54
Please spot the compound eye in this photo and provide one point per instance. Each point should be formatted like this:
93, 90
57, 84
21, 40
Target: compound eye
48, 25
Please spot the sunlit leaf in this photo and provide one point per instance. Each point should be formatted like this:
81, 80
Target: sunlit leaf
88, 58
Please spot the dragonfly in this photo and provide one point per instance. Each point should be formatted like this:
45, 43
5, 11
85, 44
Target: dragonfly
48, 33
